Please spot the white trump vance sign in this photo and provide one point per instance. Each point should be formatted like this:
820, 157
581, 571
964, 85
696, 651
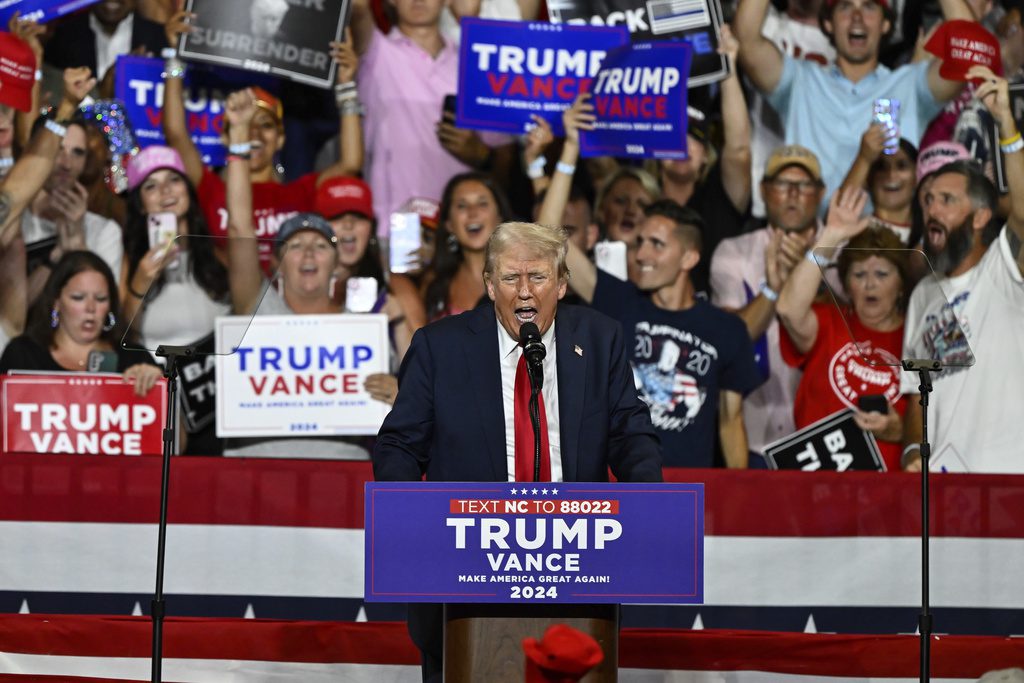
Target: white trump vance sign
295, 375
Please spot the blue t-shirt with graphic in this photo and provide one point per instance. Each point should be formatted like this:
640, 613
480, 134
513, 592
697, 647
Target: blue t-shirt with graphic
681, 360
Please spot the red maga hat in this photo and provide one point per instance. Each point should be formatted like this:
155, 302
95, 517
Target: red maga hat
563, 655
961, 44
17, 72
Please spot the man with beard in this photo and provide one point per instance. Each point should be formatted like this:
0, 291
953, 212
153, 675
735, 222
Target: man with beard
972, 309
819, 105
748, 272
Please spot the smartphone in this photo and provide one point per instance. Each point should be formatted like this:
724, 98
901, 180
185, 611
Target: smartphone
450, 102
405, 239
360, 294
611, 258
886, 111
101, 361
873, 403
163, 228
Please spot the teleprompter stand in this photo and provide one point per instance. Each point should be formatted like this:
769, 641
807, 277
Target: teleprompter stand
173, 355
924, 368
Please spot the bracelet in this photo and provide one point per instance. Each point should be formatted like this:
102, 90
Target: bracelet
238, 157
1003, 142
817, 259
55, 128
904, 460
536, 168
131, 290
240, 148
1015, 146
349, 107
769, 293
174, 68
567, 169
168, 53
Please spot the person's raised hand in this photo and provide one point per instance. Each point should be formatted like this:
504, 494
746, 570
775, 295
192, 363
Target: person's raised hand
580, 116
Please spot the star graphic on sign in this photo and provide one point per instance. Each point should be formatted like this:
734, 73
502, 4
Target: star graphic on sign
513, 492
554, 492
535, 492
522, 491
544, 491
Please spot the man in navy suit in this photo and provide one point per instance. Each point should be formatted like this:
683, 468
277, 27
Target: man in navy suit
453, 417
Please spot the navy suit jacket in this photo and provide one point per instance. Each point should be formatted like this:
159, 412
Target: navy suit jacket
448, 420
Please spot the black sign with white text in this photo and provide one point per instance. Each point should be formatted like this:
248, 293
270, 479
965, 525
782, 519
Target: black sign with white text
286, 38
696, 21
198, 377
832, 443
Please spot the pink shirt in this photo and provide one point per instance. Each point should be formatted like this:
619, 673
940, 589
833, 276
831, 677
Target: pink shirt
403, 89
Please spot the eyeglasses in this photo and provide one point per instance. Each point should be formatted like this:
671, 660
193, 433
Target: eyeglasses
804, 187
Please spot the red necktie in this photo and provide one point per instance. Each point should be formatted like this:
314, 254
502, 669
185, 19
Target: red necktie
524, 429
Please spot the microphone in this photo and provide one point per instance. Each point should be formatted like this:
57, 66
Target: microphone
533, 349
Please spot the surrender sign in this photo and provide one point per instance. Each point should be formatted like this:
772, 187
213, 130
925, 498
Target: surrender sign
86, 414
282, 37
299, 375
565, 542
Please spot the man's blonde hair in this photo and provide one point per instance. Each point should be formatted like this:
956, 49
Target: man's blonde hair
544, 241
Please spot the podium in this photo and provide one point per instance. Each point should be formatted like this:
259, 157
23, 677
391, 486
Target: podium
508, 560
483, 642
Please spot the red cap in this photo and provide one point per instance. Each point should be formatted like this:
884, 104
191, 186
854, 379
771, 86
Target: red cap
563, 655
961, 44
17, 72
428, 210
344, 194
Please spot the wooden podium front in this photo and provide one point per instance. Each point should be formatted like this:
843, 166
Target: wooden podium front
483, 642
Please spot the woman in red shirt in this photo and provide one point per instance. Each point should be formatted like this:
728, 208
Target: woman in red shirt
851, 350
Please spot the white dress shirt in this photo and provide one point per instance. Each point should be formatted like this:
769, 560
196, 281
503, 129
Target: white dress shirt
109, 47
509, 352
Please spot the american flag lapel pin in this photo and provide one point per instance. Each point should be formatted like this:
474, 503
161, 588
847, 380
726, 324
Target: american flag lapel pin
578, 350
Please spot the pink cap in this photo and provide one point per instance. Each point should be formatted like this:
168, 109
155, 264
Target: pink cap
935, 156
153, 159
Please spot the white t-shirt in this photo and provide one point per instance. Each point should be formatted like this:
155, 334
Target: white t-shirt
974, 415
102, 236
737, 273
803, 41
182, 312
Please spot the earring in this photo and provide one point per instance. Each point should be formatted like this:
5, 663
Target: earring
279, 167
452, 243
111, 321
373, 241
54, 318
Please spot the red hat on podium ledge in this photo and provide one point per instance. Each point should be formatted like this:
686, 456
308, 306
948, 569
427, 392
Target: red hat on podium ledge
563, 655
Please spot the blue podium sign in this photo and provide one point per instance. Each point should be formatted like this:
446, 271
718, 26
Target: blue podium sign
541, 543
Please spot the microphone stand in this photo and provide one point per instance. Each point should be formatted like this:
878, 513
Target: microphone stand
173, 354
536, 382
924, 621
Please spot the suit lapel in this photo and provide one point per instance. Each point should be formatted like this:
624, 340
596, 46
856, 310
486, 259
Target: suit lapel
572, 371
481, 354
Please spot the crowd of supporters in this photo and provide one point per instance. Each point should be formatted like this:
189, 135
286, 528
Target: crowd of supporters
771, 278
